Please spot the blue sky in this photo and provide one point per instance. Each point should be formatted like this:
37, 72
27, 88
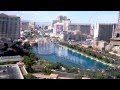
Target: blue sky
75, 16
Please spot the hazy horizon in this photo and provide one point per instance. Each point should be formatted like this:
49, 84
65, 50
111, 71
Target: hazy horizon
75, 16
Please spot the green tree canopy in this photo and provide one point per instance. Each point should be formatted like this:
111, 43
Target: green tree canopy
29, 76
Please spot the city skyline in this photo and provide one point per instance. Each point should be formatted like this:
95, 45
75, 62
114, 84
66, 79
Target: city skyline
75, 16
77, 45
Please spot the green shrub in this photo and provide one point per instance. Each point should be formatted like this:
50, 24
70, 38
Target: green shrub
99, 77
29, 76
89, 46
46, 71
78, 76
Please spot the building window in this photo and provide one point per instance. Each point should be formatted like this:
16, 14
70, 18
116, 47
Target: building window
118, 35
16, 23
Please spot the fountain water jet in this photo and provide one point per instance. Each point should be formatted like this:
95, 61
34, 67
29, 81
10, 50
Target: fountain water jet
45, 46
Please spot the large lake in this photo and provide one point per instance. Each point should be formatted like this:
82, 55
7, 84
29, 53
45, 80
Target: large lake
55, 53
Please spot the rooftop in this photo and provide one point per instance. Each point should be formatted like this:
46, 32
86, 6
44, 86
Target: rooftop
5, 15
12, 15
10, 71
79, 24
106, 23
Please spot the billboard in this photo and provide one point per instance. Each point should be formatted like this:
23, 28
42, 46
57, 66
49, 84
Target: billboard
69, 34
59, 28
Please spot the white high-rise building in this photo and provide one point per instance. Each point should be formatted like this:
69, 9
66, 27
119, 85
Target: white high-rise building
64, 20
96, 29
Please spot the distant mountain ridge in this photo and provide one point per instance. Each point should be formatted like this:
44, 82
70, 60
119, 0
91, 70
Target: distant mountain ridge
38, 23
43, 23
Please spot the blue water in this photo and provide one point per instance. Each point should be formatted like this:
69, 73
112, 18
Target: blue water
55, 53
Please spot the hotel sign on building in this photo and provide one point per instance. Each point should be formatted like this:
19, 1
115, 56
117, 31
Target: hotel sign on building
58, 28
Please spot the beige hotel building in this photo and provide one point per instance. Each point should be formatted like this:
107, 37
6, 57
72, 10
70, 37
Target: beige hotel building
9, 26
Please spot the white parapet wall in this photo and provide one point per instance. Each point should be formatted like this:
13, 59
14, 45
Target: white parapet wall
20, 73
11, 58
